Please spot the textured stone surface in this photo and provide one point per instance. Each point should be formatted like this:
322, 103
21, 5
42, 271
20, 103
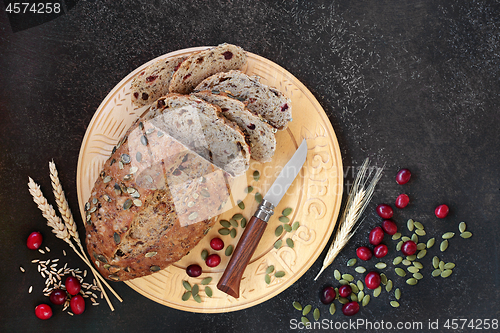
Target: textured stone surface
409, 84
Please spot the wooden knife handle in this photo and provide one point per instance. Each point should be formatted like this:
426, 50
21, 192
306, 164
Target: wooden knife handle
230, 280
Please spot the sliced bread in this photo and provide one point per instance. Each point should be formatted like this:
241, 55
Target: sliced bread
259, 134
201, 65
153, 82
269, 102
197, 125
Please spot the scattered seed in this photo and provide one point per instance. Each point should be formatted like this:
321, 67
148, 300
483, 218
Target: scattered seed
448, 235
446, 273
270, 269
337, 275
466, 234
295, 225
286, 211
410, 225
332, 308
397, 260
316, 314
418, 265
383, 279
405, 238
22, 269
413, 269
267, 278
249, 189
418, 276
360, 285
256, 175
354, 297
360, 269
241, 204
279, 274
394, 304
290, 243
412, 281
225, 223
361, 294
435, 262
232, 233
224, 231
208, 291
278, 243
204, 254
234, 223
343, 282
284, 219
354, 288
186, 285
297, 305
150, 254
306, 310
30, 289
304, 320
397, 294
381, 265
343, 300
461, 227
287, 227
399, 245
420, 232
444, 245
41, 251
229, 250
400, 271
278, 231
418, 225
258, 197
388, 287
421, 254
421, 246
206, 281
396, 236
348, 277
243, 222
377, 291
441, 265
436, 272
449, 265
351, 262
414, 238
197, 298
195, 289
365, 300
47, 249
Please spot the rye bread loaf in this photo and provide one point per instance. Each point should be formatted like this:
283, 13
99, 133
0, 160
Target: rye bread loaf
153, 82
259, 134
269, 102
152, 203
201, 65
199, 126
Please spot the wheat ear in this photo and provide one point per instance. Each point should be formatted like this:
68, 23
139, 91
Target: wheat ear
357, 200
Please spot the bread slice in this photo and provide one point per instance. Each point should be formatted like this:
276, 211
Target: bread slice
269, 102
259, 134
197, 125
153, 82
203, 64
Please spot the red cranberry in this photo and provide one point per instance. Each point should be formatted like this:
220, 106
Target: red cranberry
327, 295
151, 78
227, 55
72, 285
402, 201
442, 211
217, 244
350, 309
364, 253
409, 248
403, 176
58, 296
213, 260
380, 251
77, 304
345, 291
43, 311
389, 227
372, 280
34, 240
384, 211
376, 236
193, 270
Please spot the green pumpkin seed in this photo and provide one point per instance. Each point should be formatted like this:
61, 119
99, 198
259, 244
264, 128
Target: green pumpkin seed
343, 282
418, 225
421, 254
206, 281
466, 234
208, 291
410, 225
360, 269
418, 276
297, 305
354, 297
154, 268
287, 227
197, 298
204, 254
399, 245
461, 227
186, 295
337, 275
413, 269
316, 314
361, 294
150, 254
360, 285
436, 272
421, 246
441, 265
414, 238
116, 238
233, 223
279, 274
420, 232
381, 265
278, 243
377, 291
446, 273
229, 250
383, 279
256, 175
396, 236
365, 300
348, 277
267, 278
195, 289
232, 233
411, 258
284, 219
306, 310
224, 231
225, 223
343, 300
241, 204
290, 243
351, 262
286, 211
430, 242
127, 204
388, 287
444, 245
397, 260
243, 222
332, 308
278, 231
448, 235
435, 262
449, 265
406, 262
418, 265
295, 225
249, 189
258, 197
186, 285
397, 294
394, 304
412, 281
405, 238
270, 269
354, 288
237, 216
400, 271
305, 321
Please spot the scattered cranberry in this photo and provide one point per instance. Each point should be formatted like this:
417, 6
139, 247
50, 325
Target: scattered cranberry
72, 285
389, 227
77, 304
384, 211
350, 309
442, 211
402, 201
213, 260
376, 236
193, 270
217, 244
327, 295
403, 176
43, 311
409, 248
34, 240
372, 280
227, 55
58, 296
345, 291
380, 251
364, 253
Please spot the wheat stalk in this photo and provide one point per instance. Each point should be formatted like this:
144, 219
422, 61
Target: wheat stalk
359, 197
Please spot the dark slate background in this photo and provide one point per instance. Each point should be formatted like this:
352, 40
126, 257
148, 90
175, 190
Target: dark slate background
407, 83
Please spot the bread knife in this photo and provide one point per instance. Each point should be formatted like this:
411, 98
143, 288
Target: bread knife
230, 280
